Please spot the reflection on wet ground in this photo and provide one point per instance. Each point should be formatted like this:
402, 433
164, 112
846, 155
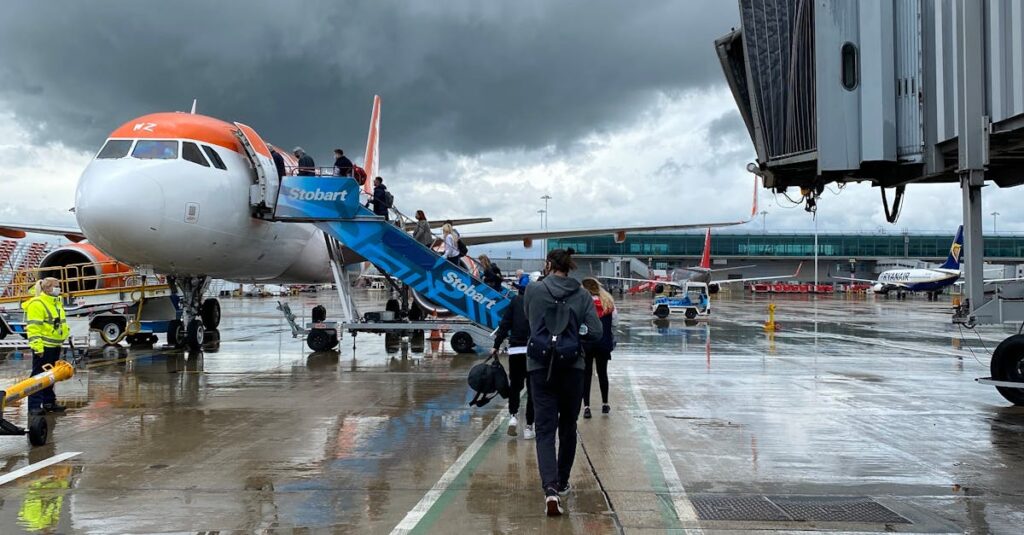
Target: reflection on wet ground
862, 411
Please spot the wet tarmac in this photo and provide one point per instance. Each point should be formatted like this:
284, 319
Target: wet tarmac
860, 414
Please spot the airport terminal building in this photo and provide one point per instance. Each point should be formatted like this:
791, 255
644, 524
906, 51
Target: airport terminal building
765, 254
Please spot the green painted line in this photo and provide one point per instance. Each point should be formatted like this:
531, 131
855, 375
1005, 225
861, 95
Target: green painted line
650, 459
442, 503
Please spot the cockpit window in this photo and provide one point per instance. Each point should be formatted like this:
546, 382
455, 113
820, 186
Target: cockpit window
214, 157
148, 149
115, 148
190, 151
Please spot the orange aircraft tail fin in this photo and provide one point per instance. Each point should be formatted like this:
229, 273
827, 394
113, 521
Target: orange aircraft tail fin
705, 259
370, 161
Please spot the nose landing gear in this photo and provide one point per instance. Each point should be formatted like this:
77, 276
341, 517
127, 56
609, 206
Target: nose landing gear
197, 315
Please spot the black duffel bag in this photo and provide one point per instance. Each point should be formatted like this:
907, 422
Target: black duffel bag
488, 379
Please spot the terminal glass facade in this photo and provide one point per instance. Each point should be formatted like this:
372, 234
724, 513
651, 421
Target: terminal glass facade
788, 245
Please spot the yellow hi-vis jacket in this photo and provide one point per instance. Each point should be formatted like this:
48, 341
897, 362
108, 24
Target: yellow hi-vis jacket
45, 322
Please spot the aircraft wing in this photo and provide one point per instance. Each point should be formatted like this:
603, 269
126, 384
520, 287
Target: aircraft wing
409, 227
749, 279
528, 236
16, 231
655, 281
716, 270
986, 281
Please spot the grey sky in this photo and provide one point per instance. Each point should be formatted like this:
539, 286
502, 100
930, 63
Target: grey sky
619, 110
460, 76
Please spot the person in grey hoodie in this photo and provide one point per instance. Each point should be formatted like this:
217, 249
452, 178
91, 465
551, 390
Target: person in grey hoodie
558, 392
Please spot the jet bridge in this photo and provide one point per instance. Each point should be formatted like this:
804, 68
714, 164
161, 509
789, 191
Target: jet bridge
892, 93
334, 205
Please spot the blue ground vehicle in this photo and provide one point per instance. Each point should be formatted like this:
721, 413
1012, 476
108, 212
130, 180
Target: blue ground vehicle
694, 302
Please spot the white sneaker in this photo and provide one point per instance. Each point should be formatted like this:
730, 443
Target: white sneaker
528, 433
553, 506
513, 425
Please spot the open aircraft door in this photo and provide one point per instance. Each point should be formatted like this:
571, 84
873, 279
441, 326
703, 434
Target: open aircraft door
266, 183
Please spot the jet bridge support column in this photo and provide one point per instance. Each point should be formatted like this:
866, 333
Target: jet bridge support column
972, 124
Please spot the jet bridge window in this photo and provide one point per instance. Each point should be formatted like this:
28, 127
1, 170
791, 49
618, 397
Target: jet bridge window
148, 149
214, 157
850, 66
115, 148
190, 151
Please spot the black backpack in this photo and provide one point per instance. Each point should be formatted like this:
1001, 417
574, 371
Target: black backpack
488, 380
463, 250
389, 199
555, 345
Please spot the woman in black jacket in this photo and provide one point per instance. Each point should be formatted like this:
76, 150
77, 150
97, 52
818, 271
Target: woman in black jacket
515, 326
598, 352
490, 273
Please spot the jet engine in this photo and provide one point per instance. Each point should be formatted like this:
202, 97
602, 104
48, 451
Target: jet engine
83, 267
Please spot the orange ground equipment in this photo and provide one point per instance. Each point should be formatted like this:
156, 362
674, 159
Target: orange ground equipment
38, 429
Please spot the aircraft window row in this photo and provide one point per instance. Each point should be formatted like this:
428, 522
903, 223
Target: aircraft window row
215, 158
190, 151
152, 149
115, 148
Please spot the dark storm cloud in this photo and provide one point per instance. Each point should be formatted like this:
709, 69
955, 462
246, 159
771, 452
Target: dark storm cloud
463, 76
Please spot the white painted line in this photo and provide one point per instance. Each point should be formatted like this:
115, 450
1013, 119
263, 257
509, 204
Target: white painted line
684, 508
415, 515
22, 472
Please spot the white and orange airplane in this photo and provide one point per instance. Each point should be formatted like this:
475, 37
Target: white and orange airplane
182, 194
704, 273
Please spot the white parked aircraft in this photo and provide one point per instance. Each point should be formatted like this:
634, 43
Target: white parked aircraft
170, 192
931, 280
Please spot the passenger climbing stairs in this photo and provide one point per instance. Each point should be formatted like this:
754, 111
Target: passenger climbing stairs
333, 204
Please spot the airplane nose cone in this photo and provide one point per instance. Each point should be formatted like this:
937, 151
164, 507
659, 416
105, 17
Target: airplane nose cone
120, 212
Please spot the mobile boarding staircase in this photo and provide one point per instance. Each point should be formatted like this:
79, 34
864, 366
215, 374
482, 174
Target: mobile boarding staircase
334, 205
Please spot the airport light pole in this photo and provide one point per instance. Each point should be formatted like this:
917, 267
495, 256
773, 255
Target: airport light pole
994, 216
815, 252
544, 250
763, 227
544, 222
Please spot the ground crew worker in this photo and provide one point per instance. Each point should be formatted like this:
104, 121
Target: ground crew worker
47, 328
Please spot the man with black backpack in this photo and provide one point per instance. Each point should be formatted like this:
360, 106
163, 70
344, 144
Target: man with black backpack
561, 315
382, 199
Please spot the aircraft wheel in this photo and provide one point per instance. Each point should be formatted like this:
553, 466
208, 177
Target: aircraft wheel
713, 289
38, 430
1008, 365
415, 313
210, 313
691, 313
112, 330
417, 341
661, 311
176, 333
319, 314
462, 342
392, 342
320, 340
195, 334
3, 330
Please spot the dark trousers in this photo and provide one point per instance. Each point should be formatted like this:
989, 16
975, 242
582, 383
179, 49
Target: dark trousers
50, 355
557, 406
600, 357
517, 378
